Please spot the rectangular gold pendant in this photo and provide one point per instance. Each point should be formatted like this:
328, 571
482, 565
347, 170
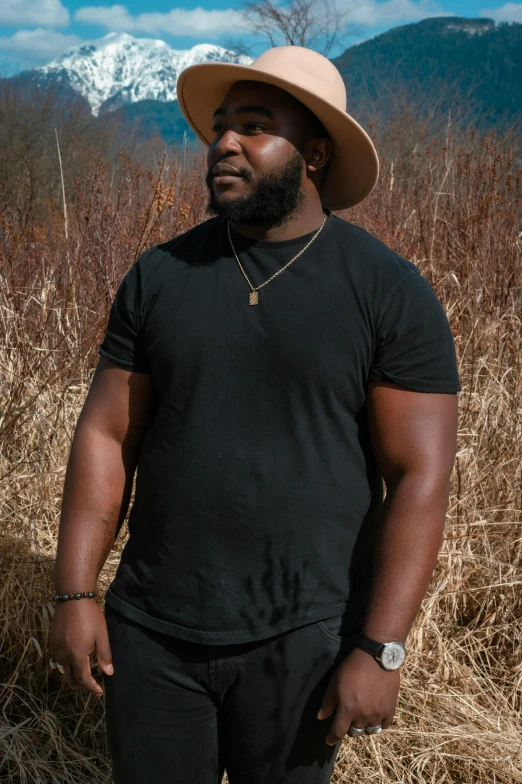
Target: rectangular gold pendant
253, 298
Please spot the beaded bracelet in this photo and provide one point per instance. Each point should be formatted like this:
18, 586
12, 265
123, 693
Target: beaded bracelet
65, 597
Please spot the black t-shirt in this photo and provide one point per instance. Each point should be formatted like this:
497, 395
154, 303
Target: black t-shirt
257, 490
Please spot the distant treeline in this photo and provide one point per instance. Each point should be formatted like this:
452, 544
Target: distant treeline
470, 69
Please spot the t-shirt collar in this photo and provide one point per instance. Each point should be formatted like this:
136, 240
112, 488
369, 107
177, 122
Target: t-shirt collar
240, 241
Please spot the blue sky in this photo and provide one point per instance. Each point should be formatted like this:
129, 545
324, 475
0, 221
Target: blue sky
32, 32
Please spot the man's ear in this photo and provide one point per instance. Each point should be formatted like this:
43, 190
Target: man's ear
317, 154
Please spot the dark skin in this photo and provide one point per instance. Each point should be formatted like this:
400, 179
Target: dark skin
97, 490
258, 127
413, 437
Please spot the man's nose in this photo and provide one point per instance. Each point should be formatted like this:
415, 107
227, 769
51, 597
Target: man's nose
226, 144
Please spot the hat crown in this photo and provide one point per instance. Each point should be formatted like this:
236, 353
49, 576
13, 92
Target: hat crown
307, 68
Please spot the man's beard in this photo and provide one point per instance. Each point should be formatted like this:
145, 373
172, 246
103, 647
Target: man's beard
276, 196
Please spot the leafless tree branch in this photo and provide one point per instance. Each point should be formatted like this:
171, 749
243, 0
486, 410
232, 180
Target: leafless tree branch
317, 24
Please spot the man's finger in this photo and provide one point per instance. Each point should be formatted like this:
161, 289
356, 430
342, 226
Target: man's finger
387, 722
340, 726
81, 673
103, 653
328, 704
68, 675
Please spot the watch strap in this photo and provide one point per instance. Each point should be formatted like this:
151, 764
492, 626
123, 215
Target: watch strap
370, 646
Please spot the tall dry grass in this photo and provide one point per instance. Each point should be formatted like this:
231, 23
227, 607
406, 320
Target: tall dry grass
456, 212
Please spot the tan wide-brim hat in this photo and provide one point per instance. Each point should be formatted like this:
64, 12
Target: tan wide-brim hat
312, 79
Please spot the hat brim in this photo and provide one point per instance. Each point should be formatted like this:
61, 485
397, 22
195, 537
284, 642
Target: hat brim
354, 165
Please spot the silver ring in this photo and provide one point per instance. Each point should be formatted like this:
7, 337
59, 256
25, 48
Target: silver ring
373, 730
355, 732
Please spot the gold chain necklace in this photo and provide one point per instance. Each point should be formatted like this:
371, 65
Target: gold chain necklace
253, 297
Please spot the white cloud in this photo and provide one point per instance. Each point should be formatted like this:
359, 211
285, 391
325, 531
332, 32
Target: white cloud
509, 12
199, 21
179, 21
48, 13
35, 46
389, 12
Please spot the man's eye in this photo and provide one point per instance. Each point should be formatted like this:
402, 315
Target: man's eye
253, 126
218, 128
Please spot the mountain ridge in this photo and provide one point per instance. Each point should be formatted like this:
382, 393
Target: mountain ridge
118, 69
440, 65
451, 62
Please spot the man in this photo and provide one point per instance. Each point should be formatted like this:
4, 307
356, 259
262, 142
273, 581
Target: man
263, 599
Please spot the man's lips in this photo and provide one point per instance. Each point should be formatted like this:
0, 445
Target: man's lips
225, 175
226, 179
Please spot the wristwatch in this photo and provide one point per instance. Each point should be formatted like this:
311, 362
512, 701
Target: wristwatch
390, 655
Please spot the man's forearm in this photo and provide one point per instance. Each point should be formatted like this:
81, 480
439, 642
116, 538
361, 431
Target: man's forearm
97, 490
409, 537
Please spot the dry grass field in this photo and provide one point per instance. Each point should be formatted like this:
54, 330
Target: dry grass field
453, 209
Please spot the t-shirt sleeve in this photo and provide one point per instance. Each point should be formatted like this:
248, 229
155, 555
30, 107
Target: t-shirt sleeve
415, 346
123, 342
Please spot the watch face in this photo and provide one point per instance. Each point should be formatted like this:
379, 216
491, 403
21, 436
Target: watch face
393, 655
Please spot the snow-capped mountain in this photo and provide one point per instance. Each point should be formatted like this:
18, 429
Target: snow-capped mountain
119, 69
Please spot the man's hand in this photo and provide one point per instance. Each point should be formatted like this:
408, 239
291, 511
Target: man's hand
79, 629
360, 692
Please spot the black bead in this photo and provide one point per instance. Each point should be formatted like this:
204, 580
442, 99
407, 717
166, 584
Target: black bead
91, 595
56, 597
78, 596
65, 596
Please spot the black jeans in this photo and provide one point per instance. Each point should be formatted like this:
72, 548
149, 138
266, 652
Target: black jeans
180, 712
